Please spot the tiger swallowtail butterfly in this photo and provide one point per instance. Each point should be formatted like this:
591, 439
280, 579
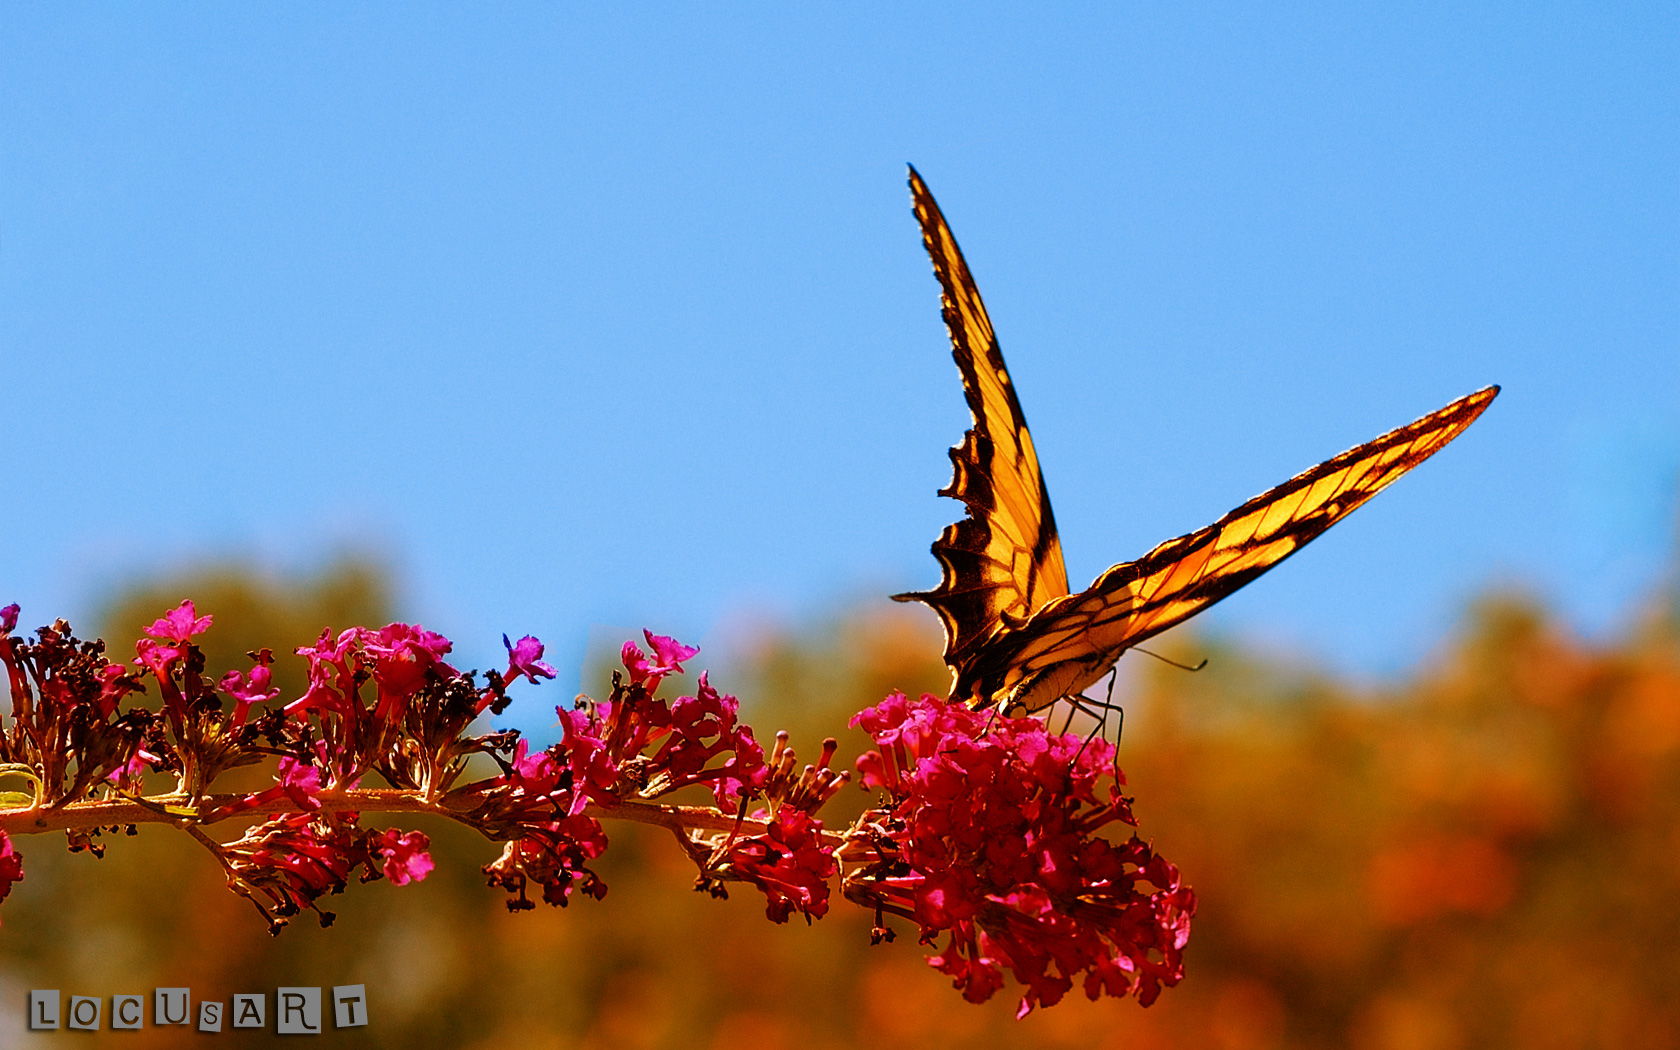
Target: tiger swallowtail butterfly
1015, 638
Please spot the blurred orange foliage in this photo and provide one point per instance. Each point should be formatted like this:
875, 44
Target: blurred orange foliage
1486, 854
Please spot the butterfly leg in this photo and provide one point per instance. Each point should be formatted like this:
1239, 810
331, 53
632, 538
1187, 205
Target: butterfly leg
1100, 710
1109, 705
1120, 712
1092, 735
1074, 708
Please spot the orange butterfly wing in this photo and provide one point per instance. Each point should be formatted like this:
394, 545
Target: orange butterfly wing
1003, 561
1071, 643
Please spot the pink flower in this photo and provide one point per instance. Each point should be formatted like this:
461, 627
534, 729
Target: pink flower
697, 729
300, 782
538, 785
594, 774
744, 773
406, 856
8, 620
539, 767
790, 863
403, 655
11, 863
554, 855
247, 690
157, 658
525, 660
668, 655
332, 680
697, 724
114, 684
975, 974
293, 859
179, 624
130, 769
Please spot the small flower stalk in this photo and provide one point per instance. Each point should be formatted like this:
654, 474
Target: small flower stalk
986, 835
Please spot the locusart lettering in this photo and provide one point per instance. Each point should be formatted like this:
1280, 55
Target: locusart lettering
297, 1010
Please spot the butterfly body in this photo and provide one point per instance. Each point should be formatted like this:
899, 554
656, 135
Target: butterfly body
1015, 636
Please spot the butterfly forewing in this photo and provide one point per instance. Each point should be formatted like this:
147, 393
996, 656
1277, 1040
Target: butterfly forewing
1003, 561
1135, 600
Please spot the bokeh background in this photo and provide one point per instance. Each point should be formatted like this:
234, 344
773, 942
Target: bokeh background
526, 319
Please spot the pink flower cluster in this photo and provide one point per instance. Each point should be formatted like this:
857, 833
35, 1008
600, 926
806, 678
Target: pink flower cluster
989, 838
637, 747
66, 728
789, 862
295, 859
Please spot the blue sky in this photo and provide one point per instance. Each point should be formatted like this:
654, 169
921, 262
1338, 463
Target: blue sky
594, 321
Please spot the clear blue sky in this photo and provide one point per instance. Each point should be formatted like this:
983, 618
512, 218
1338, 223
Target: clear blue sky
622, 319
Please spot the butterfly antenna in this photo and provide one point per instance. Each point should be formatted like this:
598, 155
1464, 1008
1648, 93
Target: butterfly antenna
1165, 660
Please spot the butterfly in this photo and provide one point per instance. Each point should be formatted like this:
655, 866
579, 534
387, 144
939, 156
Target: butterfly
1015, 637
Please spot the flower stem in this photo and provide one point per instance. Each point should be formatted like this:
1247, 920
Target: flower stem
169, 809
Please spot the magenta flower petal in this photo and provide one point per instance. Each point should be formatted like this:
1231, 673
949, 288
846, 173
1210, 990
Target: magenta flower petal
179, 624
668, 651
526, 659
11, 865
406, 856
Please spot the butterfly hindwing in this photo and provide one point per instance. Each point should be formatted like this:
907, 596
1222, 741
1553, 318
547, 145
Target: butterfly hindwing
1003, 561
1136, 600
